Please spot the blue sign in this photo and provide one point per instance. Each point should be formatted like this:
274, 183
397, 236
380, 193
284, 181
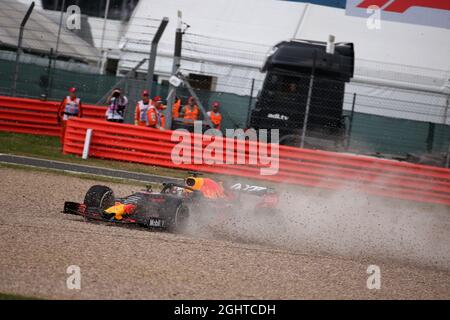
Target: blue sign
328, 3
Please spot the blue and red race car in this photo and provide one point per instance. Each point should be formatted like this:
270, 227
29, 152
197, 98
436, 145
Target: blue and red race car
170, 207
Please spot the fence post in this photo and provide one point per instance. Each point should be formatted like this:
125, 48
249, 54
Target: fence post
133, 93
61, 16
447, 158
101, 62
175, 66
49, 70
250, 100
153, 51
430, 137
19, 48
350, 127
308, 101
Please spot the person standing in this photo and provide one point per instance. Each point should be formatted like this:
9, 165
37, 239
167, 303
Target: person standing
155, 114
160, 107
69, 107
117, 104
141, 116
176, 108
215, 116
190, 111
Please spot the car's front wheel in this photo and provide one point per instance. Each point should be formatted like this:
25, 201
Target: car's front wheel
178, 222
99, 197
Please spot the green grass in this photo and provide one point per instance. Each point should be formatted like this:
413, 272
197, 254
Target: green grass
50, 148
7, 296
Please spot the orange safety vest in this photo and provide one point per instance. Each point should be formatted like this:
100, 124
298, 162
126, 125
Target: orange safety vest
67, 109
152, 117
162, 121
141, 114
189, 113
70, 108
216, 118
176, 109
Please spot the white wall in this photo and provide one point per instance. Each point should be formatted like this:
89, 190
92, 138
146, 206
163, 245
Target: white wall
262, 22
114, 31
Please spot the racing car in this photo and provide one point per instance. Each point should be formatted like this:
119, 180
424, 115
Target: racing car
169, 208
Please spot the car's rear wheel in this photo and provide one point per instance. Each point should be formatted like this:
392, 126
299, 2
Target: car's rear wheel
179, 220
100, 197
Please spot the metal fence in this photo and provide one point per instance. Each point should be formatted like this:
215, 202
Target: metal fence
371, 123
403, 115
343, 119
390, 110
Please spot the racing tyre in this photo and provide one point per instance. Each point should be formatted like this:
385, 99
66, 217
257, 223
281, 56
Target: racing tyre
179, 220
100, 197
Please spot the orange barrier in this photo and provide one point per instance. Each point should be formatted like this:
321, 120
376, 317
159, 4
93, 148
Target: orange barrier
296, 166
35, 116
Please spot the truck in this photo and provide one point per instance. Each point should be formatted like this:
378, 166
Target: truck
305, 77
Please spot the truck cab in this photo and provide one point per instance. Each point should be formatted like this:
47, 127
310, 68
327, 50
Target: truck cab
282, 101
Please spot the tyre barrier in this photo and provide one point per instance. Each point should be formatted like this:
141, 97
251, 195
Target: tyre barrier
38, 117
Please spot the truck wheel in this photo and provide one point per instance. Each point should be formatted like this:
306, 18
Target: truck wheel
100, 197
179, 220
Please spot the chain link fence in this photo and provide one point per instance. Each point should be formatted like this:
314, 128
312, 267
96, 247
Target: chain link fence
389, 110
398, 117
340, 118
38, 81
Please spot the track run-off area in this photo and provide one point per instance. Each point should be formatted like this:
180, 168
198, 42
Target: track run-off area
319, 247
